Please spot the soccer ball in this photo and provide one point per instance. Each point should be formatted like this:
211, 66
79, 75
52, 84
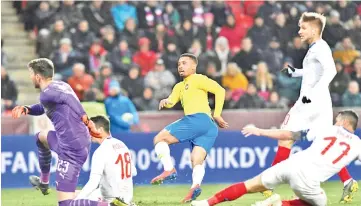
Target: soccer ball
128, 118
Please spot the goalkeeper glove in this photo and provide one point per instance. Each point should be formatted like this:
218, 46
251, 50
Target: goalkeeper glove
20, 110
91, 127
288, 70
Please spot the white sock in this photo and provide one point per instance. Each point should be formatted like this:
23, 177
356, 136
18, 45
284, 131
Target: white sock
163, 153
197, 175
347, 181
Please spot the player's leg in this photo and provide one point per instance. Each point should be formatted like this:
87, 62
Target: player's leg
45, 141
197, 157
233, 192
161, 146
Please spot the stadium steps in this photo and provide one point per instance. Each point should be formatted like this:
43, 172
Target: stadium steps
20, 50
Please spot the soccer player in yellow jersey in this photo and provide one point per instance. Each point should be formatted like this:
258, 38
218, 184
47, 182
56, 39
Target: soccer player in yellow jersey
197, 126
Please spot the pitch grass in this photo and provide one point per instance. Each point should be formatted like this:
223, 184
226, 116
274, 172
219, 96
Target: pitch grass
168, 195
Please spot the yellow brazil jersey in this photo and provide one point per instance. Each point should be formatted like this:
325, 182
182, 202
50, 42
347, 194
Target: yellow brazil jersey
192, 92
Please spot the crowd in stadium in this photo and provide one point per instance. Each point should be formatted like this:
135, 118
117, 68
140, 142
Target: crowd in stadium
131, 48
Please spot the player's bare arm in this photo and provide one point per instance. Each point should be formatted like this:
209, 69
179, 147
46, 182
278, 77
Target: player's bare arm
272, 133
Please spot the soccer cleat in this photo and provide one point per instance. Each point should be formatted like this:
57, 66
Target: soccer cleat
349, 191
118, 202
274, 200
192, 194
35, 182
200, 203
165, 176
267, 193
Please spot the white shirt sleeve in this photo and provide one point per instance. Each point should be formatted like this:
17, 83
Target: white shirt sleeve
97, 168
297, 73
328, 67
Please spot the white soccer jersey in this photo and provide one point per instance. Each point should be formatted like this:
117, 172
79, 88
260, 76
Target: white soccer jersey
332, 149
112, 163
318, 71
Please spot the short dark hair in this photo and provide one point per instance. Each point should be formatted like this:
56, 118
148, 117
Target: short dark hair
101, 121
350, 116
192, 56
42, 66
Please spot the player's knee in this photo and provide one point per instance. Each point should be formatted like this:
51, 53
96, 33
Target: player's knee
164, 136
286, 143
41, 138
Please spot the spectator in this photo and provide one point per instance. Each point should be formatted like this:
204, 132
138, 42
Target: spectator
198, 13
273, 56
345, 51
149, 14
159, 38
121, 111
247, 58
101, 86
144, 57
64, 58
44, 15
234, 79
58, 33
339, 84
171, 16
292, 21
82, 38
186, 35
131, 34
268, 11
346, 9
223, 54
9, 92
356, 74
260, 34
352, 97
97, 56
334, 31
133, 84
80, 82
160, 80
109, 39
274, 102
213, 74
233, 33
207, 33
250, 100
171, 56
288, 88
146, 102
70, 14
121, 59
202, 57
281, 31
297, 52
355, 32
264, 82
121, 12
221, 11
98, 15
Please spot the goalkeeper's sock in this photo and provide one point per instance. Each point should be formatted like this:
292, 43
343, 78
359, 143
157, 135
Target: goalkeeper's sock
296, 202
282, 154
345, 176
163, 153
44, 160
197, 175
82, 202
231, 193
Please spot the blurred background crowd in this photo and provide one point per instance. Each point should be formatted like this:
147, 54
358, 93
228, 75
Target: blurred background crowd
124, 53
